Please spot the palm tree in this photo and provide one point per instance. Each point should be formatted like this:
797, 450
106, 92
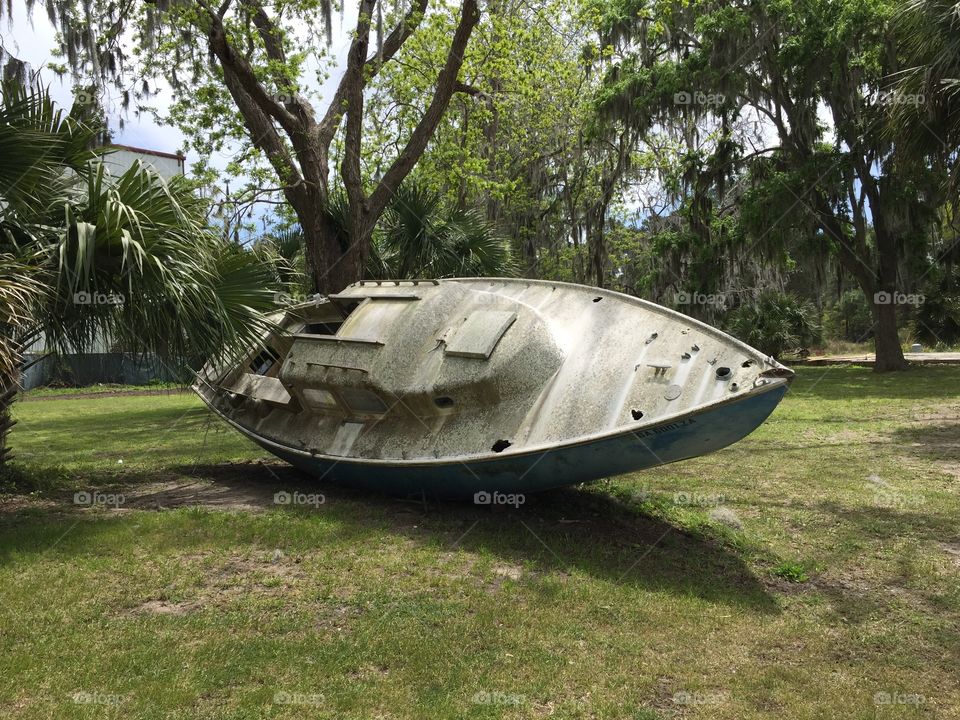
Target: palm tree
420, 236
85, 256
927, 111
283, 252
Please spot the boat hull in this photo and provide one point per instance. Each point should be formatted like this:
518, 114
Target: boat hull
678, 438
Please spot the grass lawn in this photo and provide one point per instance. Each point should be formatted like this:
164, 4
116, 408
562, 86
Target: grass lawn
810, 571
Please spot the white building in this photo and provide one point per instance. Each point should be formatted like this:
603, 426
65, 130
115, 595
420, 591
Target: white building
123, 156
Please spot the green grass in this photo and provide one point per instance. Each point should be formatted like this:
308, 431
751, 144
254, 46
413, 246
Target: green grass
815, 576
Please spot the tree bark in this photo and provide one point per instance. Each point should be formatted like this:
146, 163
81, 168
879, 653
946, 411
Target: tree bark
889, 354
9, 386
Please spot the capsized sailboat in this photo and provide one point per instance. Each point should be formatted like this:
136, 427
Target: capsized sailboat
485, 385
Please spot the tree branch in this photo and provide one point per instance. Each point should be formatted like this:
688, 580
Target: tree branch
263, 133
461, 87
392, 44
245, 75
352, 85
424, 130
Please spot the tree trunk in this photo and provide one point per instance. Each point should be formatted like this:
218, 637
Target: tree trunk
885, 337
335, 258
8, 394
889, 355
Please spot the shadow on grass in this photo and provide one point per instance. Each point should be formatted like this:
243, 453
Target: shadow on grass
862, 600
565, 531
938, 441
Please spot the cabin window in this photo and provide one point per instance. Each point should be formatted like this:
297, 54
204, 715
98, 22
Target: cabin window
319, 399
322, 328
265, 361
330, 322
362, 402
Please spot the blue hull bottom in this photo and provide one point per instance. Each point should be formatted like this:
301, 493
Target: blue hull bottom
684, 438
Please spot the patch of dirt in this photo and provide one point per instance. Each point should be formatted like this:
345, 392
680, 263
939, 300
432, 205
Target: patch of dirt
785, 587
237, 495
268, 575
953, 550
452, 566
162, 607
368, 672
16, 503
102, 394
227, 579
511, 572
943, 411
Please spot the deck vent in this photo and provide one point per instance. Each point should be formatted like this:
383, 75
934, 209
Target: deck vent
443, 402
723, 373
501, 445
597, 299
479, 334
686, 356
747, 363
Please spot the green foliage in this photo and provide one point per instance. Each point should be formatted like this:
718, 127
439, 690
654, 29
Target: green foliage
774, 323
791, 571
938, 317
421, 236
849, 318
927, 112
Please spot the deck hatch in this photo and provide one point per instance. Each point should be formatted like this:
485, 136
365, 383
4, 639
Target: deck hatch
480, 333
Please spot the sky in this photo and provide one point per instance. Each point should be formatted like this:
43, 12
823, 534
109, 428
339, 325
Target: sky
32, 38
